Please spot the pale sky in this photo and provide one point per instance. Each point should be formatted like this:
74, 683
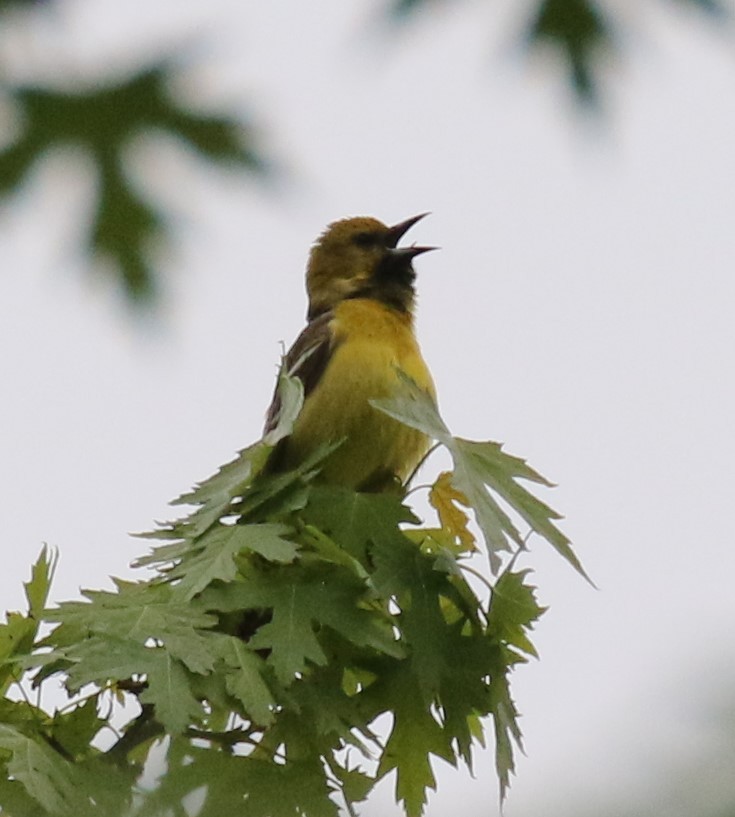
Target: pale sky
580, 310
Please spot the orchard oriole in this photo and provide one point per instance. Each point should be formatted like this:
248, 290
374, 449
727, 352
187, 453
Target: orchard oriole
359, 336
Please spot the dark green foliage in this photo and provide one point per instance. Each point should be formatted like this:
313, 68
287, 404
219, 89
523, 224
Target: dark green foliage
103, 122
283, 618
9, 4
577, 30
126, 227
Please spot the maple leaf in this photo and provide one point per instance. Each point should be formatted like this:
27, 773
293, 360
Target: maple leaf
245, 786
75, 730
244, 679
16, 639
484, 474
513, 610
354, 520
415, 736
446, 499
45, 775
215, 552
505, 719
18, 632
105, 661
137, 612
302, 600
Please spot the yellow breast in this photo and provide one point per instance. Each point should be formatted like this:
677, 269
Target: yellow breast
371, 342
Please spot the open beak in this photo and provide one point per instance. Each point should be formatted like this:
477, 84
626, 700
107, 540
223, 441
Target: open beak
397, 231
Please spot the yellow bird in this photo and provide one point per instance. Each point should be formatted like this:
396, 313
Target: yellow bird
359, 335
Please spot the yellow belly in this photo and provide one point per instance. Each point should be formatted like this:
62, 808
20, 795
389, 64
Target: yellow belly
372, 342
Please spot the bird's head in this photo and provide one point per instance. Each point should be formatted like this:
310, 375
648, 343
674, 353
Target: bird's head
358, 258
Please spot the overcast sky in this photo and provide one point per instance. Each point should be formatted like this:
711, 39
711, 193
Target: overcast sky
580, 310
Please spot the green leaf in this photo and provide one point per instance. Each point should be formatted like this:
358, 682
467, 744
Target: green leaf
355, 519
514, 610
481, 471
355, 784
104, 661
138, 612
10, 4
21, 714
485, 464
44, 774
301, 600
108, 789
16, 639
37, 589
242, 786
505, 719
415, 408
231, 479
327, 717
15, 799
578, 31
290, 395
218, 549
103, 122
18, 633
403, 572
415, 736
465, 692
169, 691
215, 496
244, 679
234, 490
75, 730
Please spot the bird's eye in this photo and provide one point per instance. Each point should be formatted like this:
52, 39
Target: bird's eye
365, 240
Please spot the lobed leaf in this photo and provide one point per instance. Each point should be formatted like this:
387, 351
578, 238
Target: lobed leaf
482, 471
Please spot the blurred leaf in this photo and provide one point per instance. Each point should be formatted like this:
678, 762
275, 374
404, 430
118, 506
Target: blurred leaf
402, 8
574, 29
712, 7
10, 4
578, 30
103, 122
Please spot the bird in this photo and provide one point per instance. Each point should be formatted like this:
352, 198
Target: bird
358, 342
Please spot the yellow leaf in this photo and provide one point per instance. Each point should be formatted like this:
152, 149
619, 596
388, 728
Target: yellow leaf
447, 499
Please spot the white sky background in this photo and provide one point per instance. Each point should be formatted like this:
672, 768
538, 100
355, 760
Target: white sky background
581, 310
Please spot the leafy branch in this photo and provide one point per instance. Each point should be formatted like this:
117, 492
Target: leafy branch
283, 618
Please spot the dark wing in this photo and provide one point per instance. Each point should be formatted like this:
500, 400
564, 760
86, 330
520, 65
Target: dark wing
306, 359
